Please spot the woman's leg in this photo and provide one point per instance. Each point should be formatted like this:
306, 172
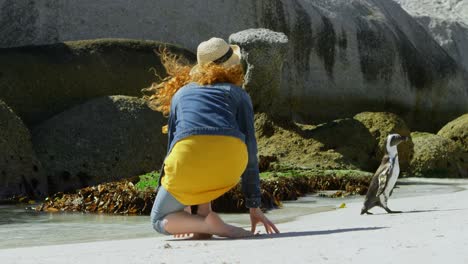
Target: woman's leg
184, 223
168, 217
202, 210
164, 204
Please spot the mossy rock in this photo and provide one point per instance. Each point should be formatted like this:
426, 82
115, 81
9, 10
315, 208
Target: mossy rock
339, 144
38, 82
20, 171
457, 130
436, 156
380, 125
102, 140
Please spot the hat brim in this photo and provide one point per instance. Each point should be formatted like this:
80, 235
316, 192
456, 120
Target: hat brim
235, 59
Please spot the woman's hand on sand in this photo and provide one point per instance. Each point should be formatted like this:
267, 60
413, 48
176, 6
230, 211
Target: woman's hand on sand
257, 216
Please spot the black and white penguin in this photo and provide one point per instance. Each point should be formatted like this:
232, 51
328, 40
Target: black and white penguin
385, 177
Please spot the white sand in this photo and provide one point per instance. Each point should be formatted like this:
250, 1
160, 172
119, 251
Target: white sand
433, 230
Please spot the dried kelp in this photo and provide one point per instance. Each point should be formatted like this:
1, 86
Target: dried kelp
112, 198
123, 198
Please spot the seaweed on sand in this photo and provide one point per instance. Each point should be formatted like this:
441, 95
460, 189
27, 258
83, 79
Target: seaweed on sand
124, 198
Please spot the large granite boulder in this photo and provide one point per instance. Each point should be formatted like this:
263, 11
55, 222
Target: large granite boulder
104, 139
343, 57
457, 130
339, 144
20, 171
380, 125
446, 21
38, 82
436, 156
264, 52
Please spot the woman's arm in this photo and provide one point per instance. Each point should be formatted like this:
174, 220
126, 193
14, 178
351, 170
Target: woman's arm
250, 177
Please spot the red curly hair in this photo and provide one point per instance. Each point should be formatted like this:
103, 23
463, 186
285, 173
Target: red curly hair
179, 74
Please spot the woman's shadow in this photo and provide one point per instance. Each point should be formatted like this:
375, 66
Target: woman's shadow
293, 234
314, 233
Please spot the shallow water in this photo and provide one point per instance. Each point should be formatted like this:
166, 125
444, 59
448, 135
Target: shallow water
22, 228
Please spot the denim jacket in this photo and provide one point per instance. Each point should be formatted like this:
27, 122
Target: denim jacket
219, 109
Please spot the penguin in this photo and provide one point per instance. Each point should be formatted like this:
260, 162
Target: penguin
384, 179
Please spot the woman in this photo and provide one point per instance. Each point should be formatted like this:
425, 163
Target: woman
211, 144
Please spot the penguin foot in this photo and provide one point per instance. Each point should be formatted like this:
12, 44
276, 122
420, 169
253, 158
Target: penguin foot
391, 212
365, 212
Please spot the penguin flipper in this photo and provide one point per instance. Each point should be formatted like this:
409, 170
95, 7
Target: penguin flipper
383, 176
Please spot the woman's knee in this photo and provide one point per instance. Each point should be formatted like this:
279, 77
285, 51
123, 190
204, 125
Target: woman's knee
158, 221
164, 204
160, 226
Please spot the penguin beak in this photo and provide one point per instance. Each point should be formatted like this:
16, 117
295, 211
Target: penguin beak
402, 139
398, 139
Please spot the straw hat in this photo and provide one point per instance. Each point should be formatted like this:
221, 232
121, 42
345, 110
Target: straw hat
218, 51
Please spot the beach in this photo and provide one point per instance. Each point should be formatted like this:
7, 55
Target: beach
431, 229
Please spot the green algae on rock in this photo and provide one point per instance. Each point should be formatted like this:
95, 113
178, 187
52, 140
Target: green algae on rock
457, 130
338, 144
380, 125
436, 156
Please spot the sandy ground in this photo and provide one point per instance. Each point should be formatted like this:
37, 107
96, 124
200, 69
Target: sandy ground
432, 229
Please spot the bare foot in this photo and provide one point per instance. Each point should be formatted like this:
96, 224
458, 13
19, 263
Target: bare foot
218, 227
203, 210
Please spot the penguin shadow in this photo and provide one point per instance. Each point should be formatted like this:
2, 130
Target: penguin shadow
419, 211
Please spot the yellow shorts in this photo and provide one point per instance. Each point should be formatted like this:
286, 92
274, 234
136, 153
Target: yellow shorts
201, 168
